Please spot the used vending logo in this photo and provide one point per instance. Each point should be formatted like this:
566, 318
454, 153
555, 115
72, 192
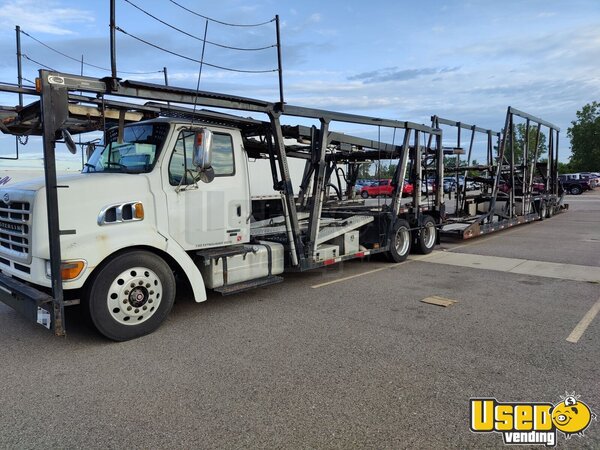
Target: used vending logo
531, 423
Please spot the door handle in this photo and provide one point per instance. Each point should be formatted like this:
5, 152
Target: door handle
239, 210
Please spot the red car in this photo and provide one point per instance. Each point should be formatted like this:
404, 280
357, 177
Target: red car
385, 188
536, 186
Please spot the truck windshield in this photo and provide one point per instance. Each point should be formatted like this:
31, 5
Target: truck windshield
135, 153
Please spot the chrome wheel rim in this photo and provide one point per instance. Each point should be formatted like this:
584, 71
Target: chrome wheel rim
134, 296
402, 241
428, 234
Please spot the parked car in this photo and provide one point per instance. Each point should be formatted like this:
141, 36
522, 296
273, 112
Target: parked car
574, 185
450, 184
385, 188
592, 177
536, 186
360, 184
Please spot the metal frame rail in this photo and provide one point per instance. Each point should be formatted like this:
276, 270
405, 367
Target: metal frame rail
523, 203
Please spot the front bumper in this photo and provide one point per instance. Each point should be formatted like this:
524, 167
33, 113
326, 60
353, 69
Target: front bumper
34, 305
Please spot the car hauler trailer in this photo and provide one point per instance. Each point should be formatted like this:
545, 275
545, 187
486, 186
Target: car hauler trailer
168, 194
516, 187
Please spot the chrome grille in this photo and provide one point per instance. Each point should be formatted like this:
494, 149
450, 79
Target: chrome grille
15, 230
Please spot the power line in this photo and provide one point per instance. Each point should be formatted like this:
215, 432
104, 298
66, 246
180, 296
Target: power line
229, 69
219, 21
197, 37
77, 60
38, 63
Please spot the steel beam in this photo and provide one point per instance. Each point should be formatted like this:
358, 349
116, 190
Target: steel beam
54, 103
318, 190
296, 244
525, 115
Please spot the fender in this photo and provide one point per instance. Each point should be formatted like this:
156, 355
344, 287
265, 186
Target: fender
189, 268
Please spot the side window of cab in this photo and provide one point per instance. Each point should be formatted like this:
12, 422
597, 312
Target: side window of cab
222, 155
181, 165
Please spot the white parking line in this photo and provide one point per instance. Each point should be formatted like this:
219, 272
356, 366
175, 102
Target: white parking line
339, 280
584, 323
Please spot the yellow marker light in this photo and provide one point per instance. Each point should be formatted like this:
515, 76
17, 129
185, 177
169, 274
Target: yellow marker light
38, 85
138, 211
71, 270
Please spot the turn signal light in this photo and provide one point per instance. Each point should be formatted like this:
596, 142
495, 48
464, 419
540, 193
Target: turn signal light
38, 85
138, 211
71, 270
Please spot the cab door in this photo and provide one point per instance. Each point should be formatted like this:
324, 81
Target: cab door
206, 211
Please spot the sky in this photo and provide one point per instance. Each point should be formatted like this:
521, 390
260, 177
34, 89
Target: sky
406, 60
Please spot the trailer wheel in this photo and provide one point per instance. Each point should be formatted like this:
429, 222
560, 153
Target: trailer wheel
426, 237
364, 194
542, 209
400, 241
550, 211
576, 190
131, 296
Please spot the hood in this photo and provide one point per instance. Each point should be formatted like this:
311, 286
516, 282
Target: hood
79, 181
81, 198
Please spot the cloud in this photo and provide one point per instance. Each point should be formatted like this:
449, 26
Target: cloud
43, 17
314, 18
393, 74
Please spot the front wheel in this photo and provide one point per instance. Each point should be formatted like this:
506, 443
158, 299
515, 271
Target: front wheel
576, 190
400, 241
426, 237
364, 194
131, 296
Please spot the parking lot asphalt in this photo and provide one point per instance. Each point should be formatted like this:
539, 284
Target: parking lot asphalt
342, 357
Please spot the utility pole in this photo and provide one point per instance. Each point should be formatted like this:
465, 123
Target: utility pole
19, 66
113, 43
279, 67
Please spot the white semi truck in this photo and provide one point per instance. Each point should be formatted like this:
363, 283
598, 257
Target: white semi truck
170, 198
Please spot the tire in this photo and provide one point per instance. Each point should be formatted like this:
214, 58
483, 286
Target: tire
130, 296
550, 211
426, 237
576, 190
542, 209
400, 241
364, 194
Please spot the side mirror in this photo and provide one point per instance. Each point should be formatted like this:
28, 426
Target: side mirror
89, 149
69, 142
202, 158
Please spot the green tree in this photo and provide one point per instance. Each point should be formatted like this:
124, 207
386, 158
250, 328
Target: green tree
450, 163
520, 132
585, 139
364, 172
564, 167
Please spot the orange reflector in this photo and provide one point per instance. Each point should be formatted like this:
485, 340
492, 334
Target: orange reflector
199, 138
38, 85
138, 211
71, 270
